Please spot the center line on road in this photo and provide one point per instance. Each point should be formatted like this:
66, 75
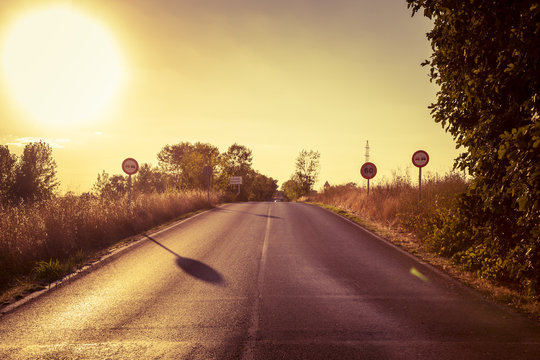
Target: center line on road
249, 348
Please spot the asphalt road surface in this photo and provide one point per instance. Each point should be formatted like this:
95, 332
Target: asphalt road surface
265, 281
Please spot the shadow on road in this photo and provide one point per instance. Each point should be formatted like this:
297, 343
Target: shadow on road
193, 267
249, 213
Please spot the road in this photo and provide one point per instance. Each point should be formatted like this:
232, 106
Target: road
265, 281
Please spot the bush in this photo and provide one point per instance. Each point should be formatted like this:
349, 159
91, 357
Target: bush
67, 227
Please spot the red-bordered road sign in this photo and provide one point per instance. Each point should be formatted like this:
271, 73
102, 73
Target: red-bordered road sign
420, 158
130, 166
368, 170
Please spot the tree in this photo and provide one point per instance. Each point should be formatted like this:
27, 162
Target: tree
236, 161
485, 60
7, 174
292, 189
35, 173
110, 187
307, 170
185, 163
150, 180
261, 187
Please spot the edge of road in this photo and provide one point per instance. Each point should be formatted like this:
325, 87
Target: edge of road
113, 252
469, 287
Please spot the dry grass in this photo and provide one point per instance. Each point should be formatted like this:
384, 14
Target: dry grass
395, 204
62, 227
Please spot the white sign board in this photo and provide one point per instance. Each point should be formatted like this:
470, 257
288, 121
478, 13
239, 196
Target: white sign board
130, 166
236, 180
420, 158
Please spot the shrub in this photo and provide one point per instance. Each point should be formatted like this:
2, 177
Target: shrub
65, 228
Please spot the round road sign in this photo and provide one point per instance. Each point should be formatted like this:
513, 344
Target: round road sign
130, 166
368, 170
420, 158
207, 171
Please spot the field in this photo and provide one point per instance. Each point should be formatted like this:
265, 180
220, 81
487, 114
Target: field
398, 204
49, 238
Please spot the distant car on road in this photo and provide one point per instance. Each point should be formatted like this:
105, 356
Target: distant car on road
279, 196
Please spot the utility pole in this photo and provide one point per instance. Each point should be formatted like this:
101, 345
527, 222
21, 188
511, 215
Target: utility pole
367, 151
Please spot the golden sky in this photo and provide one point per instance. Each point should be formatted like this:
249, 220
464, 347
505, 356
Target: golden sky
277, 76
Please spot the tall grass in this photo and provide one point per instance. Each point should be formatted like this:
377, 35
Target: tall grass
59, 228
398, 204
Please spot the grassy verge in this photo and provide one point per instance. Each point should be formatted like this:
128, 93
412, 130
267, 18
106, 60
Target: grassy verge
42, 243
491, 290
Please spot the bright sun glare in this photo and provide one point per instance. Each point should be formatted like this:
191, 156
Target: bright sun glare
62, 67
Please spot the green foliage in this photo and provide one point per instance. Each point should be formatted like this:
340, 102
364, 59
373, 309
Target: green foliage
111, 187
236, 161
307, 167
49, 271
7, 174
184, 162
261, 187
29, 178
182, 165
35, 174
292, 189
150, 180
485, 60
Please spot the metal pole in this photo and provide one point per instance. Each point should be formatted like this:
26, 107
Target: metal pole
420, 182
368, 187
208, 189
129, 192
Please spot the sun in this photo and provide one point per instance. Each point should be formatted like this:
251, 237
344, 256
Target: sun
61, 66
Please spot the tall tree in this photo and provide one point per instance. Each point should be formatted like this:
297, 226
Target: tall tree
486, 57
236, 161
185, 162
7, 173
35, 173
307, 169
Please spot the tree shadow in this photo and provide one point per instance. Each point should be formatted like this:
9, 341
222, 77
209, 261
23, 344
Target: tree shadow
192, 267
249, 213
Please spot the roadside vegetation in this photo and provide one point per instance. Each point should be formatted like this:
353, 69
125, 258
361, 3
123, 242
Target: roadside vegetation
306, 171
484, 62
420, 226
45, 235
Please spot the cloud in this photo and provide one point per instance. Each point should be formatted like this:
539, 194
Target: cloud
55, 144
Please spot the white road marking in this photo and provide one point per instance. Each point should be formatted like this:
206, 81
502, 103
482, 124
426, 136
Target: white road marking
249, 348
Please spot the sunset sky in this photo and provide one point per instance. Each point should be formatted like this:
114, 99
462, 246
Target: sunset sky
277, 76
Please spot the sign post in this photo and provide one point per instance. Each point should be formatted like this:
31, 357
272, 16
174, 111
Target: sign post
207, 171
130, 167
420, 159
236, 180
368, 171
